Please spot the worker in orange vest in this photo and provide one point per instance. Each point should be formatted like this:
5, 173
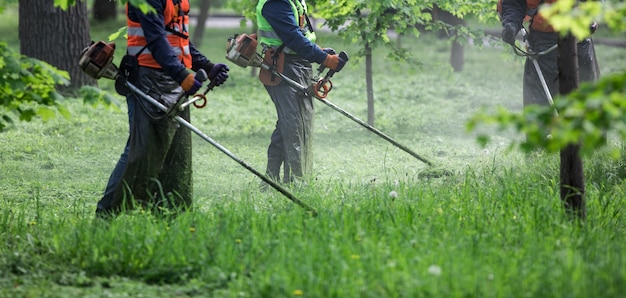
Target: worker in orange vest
154, 171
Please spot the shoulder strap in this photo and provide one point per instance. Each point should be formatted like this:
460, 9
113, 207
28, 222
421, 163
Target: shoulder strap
306, 16
168, 27
308, 22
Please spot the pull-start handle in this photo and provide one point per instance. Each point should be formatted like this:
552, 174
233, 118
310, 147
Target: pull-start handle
199, 99
321, 88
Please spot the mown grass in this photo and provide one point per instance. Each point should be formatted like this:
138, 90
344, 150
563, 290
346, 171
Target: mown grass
495, 228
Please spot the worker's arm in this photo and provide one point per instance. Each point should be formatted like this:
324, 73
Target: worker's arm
280, 16
153, 26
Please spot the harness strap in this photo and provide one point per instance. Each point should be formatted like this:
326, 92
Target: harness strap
170, 27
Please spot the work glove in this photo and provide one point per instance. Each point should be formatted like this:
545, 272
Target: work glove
334, 62
509, 32
218, 73
329, 51
190, 84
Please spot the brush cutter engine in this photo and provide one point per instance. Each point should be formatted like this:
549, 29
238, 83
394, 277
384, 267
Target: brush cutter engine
96, 60
241, 50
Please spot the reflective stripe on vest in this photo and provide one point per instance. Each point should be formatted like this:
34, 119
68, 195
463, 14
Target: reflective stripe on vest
134, 50
266, 34
175, 22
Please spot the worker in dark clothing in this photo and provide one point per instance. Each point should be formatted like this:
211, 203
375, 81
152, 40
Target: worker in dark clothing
288, 37
154, 170
541, 37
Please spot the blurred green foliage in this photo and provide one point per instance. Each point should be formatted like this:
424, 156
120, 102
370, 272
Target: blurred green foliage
28, 87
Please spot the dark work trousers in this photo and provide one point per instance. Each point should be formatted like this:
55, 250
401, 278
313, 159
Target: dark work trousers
534, 92
118, 171
291, 140
155, 168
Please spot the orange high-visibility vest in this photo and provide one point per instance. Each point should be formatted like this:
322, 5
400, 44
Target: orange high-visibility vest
538, 22
177, 29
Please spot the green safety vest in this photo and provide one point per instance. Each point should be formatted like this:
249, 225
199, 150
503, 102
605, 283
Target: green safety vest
266, 34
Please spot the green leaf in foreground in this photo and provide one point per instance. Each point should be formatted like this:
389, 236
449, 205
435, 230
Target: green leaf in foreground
586, 114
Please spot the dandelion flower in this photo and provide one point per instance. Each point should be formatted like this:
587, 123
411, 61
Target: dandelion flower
393, 194
298, 293
237, 241
434, 270
192, 230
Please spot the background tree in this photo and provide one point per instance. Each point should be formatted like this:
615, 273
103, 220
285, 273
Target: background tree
29, 84
203, 14
571, 172
104, 10
453, 25
55, 35
371, 21
368, 23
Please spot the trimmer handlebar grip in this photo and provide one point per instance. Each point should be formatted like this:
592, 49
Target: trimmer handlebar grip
201, 75
343, 55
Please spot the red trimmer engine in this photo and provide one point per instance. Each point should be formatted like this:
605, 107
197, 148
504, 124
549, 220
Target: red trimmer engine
241, 50
97, 60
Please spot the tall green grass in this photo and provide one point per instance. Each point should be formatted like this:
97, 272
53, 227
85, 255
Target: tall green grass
494, 233
495, 228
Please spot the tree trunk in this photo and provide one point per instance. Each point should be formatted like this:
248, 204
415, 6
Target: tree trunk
104, 10
572, 177
203, 15
178, 178
56, 36
457, 56
369, 84
457, 59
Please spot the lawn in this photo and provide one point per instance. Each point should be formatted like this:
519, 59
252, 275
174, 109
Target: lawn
386, 227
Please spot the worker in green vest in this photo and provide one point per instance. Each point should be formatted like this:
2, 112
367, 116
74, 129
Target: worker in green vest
288, 42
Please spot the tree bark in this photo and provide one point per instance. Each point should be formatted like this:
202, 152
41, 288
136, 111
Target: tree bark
178, 178
104, 10
203, 15
457, 56
369, 84
572, 183
457, 53
55, 36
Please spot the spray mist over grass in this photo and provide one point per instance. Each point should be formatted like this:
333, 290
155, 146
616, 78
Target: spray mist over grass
495, 228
